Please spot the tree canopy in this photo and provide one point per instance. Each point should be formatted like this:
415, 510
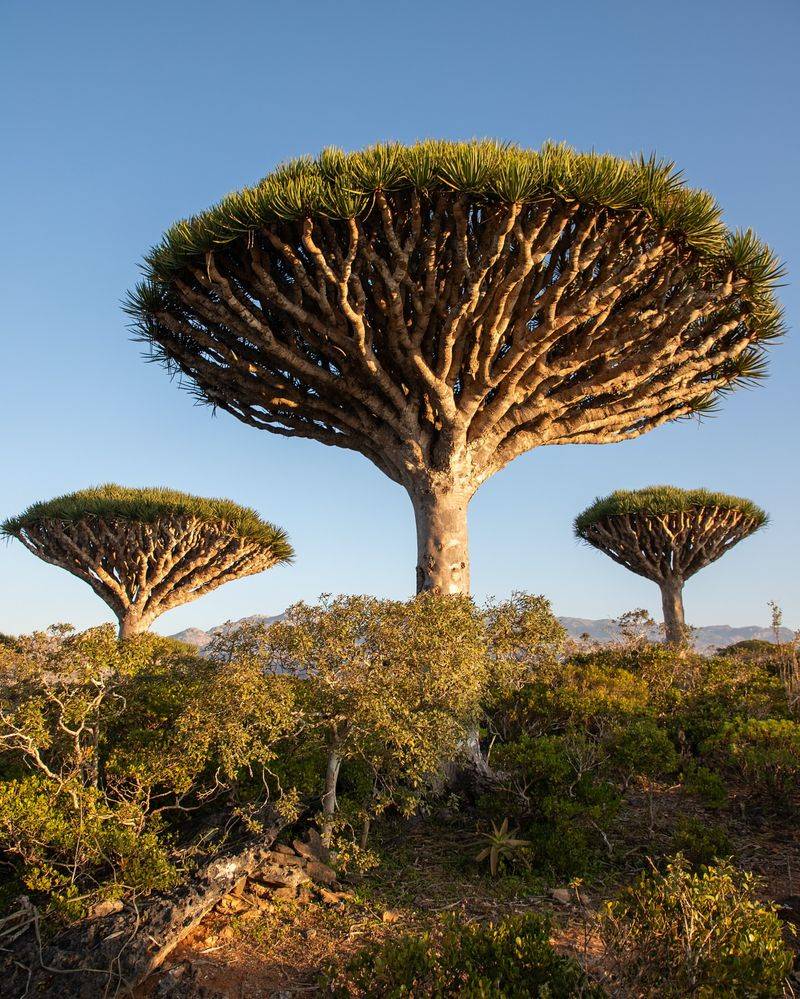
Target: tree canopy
442, 308
146, 506
661, 500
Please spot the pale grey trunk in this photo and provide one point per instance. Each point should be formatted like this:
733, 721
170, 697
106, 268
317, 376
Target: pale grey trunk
672, 602
329, 795
442, 542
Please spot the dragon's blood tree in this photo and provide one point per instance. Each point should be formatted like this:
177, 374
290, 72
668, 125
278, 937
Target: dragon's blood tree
145, 551
444, 307
667, 535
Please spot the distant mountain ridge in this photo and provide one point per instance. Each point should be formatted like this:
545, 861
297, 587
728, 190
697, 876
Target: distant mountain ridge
706, 639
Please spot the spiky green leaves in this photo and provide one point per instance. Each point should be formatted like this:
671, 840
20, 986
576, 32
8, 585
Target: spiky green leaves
661, 500
113, 502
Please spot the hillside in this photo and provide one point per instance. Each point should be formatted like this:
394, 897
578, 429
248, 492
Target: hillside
706, 639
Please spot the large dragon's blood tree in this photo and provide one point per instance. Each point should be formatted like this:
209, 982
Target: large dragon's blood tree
442, 308
145, 551
667, 535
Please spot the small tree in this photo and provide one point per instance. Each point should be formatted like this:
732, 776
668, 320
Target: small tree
145, 551
667, 535
392, 686
445, 307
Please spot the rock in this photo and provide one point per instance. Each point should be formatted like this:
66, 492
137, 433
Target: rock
562, 895
283, 848
320, 872
283, 877
286, 894
107, 908
313, 848
286, 859
333, 897
239, 887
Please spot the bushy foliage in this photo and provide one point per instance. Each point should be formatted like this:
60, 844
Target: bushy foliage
109, 749
763, 753
700, 842
659, 500
389, 689
702, 933
511, 959
113, 502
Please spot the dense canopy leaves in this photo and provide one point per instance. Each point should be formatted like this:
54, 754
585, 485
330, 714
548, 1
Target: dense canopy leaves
147, 506
663, 500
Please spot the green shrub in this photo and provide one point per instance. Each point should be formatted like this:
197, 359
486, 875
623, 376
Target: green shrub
764, 753
511, 959
703, 933
642, 749
706, 784
558, 786
701, 842
726, 689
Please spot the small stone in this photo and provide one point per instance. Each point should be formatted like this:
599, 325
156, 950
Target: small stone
331, 897
562, 895
278, 877
226, 933
282, 848
286, 894
107, 908
290, 859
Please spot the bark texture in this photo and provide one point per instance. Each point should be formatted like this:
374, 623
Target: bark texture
670, 548
442, 336
142, 569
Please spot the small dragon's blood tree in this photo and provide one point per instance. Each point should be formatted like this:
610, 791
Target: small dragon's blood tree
145, 551
667, 535
445, 307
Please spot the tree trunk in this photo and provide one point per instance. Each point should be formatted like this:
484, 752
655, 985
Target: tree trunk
329, 796
442, 542
130, 624
672, 602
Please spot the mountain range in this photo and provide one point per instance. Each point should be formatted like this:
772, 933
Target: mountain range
706, 639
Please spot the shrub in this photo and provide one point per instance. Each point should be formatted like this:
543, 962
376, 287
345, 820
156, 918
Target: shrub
110, 749
642, 749
764, 753
726, 689
389, 692
511, 959
700, 933
700, 842
559, 786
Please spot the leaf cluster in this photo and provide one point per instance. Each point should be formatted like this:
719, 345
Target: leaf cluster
661, 500
113, 502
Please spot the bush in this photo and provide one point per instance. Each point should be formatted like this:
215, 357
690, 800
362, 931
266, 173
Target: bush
726, 689
701, 933
559, 787
700, 842
111, 750
642, 749
512, 959
765, 754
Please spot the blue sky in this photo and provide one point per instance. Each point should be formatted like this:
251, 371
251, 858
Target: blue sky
119, 118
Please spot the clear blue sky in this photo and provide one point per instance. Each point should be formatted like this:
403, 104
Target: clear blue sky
118, 118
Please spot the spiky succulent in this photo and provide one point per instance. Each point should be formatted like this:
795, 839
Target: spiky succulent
444, 307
